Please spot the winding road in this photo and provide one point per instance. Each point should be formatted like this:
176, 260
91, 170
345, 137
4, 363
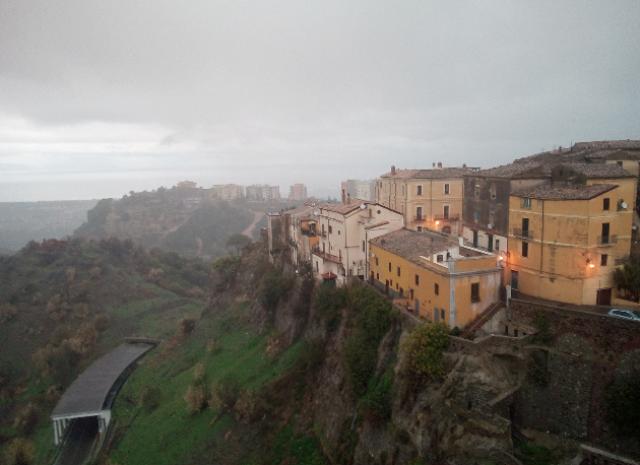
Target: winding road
248, 231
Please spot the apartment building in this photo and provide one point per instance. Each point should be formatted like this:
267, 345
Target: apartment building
565, 241
298, 192
262, 193
358, 189
438, 278
345, 231
428, 198
487, 192
227, 192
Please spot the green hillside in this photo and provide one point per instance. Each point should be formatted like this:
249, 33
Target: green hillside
64, 303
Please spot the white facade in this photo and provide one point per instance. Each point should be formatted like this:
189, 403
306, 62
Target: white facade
344, 235
486, 241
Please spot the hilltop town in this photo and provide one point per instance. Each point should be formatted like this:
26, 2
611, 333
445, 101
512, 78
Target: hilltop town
450, 243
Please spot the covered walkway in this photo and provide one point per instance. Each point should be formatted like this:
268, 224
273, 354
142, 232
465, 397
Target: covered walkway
93, 392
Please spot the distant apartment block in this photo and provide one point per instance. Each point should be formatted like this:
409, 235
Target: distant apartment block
428, 198
298, 192
227, 191
263, 193
357, 189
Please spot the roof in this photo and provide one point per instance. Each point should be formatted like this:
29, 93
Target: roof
89, 392
343, 208
412, 245
435, 173
550, 192
541, 169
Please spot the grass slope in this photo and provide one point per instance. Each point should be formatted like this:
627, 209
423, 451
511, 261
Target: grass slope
170, 434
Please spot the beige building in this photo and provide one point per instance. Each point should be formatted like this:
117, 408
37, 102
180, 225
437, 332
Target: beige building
566, 241
262, 193
344, 233
428, 198
227, 191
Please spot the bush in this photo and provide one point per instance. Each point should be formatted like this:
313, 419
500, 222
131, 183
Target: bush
274, 287
196, 398
226, 269
249, 406
329, 302
224, 394
622, 399
376, 403
424, 349
150, 398
372, 321
20, 452
26, 419
186, 326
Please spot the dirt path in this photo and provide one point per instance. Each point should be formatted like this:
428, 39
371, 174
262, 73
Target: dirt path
257, 216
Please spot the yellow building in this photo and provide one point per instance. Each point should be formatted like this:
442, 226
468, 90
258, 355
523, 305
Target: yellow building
428, 199
440, 279
565, 241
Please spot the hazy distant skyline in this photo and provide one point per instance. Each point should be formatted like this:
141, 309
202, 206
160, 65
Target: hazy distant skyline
98, 98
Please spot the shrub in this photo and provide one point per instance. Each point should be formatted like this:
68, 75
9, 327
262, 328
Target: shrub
329, 302
224, 394
20, 452
622, 399
249, 406
196, 398
274, 287
226, 269
199, 372
26, 419
186, 326
424, 349
372, 321
376, 403
150, 398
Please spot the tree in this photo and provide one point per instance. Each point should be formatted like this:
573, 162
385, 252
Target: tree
627, 279
424, 350
623, 404
238, 242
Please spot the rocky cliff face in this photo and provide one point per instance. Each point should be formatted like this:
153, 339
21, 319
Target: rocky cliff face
456, 418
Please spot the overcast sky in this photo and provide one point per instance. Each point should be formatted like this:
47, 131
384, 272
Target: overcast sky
101, 97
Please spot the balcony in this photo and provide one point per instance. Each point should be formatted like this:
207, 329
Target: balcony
450, 217
607, 240
327, 256
522, 233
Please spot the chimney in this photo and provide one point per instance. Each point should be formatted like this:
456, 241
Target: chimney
439, 164
393, 170
344, 196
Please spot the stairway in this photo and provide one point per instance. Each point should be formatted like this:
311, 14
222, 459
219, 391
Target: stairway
485, 316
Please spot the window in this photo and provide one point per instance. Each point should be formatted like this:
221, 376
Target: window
363, 244
605, 204
398, 271
436, 289
525, 249
603, 259
525, 227
476, 216
445, 212
605, 233
446, 189
330, 229
526, 203
439, 258
389, 266
419, 190
377, 261
419, 228
492, 191
442, 314
475, 292
417, 280
619, 162
497, 244
418, 213
378, 276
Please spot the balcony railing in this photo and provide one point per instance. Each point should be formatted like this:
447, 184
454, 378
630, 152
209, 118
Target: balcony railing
522, 233
450, 217
327, 256
607, 240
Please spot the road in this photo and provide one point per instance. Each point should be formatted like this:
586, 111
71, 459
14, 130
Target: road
257, 216
82, 434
